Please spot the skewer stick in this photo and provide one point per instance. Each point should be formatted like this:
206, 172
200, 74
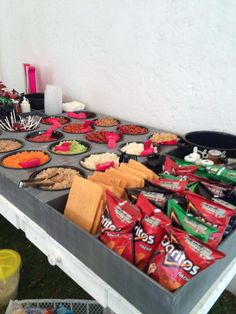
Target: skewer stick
14, 116
8, 123
5, 127
11, 115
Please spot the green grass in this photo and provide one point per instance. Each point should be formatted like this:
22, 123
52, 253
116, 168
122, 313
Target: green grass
40, 280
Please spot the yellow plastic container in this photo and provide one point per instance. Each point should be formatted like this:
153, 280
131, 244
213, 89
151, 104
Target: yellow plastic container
10, 263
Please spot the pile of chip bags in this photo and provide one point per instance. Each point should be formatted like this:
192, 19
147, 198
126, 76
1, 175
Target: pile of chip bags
171, 228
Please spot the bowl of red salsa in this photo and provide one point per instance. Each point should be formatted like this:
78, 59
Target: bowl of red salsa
53, 119
43, 137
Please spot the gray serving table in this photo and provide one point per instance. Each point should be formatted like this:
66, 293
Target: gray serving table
113, 282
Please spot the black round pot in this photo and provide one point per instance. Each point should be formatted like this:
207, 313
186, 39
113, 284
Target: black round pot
208, 140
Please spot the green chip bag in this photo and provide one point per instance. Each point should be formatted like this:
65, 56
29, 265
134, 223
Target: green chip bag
218, 173
181, 219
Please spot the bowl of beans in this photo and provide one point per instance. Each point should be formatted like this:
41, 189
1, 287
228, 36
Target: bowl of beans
106, 122
77, 128
132, 129
10, 145
101, 137
44, 137
52, 119
25, 159
56, 178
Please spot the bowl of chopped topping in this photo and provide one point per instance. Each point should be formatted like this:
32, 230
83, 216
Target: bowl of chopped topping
132, 129
102, 136
10, 145
55, 178
106, 122
140, 149
44, 136
77, 128
164, 138
25, 159
69, 147
52, 119
100, 161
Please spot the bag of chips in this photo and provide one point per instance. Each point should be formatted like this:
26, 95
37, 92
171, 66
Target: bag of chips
117, 223
199, 188
148, 232
155, 194
178, 258
181, 219
214, 213
218, 173
208, 210
172, 168
217, 189
173, 184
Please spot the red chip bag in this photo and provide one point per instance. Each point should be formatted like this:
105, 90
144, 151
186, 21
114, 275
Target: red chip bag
148, 209
172, 168
178, 258
175, 186
219, 190
118, 221
148, 232
209, 211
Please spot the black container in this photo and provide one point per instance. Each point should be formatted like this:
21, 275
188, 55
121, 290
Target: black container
130, 134
68, 120
95, 153
28, 150
104, 143
125, 157
86, 144
208, 140
106, 126
89, 114
34, 174
15, 140
55, 134
36, 100
137, 287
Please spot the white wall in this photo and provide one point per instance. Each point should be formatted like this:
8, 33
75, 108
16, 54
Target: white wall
167, 63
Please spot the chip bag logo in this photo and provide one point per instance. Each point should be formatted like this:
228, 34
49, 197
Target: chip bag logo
224, 203
176, 257
218, 212
139, 233
205, 252
106, 223
153, 221
153, 196
170, 185
196, 227
122, 214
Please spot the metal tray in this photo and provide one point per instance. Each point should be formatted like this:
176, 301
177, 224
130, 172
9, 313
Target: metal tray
46, 209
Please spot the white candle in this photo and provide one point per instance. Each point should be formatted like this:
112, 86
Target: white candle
25, 106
